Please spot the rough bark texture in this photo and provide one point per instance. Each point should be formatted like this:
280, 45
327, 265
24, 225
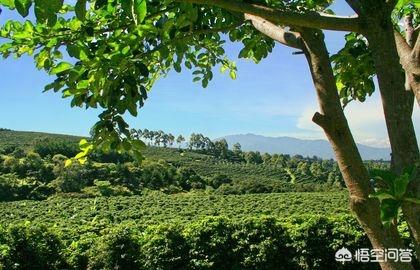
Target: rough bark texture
332, 119
409, 53
397, 103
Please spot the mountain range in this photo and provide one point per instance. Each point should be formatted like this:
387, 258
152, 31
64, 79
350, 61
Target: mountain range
304, 147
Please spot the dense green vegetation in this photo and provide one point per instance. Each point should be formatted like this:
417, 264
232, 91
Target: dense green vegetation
181, 208
184, 231
210, 243
155, 207
32, 167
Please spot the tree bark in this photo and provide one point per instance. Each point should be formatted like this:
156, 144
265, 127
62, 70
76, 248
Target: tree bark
334, 123
286, 17
409, 53
397, 103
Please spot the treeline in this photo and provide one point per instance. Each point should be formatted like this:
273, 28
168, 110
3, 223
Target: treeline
38, 171
302, 243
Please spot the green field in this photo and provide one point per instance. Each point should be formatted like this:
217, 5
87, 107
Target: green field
179, 209
157, 208
286, 231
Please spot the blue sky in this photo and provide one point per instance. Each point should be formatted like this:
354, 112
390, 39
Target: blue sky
273, 98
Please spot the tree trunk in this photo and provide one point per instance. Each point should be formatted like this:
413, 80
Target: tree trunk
397, 103
334, 123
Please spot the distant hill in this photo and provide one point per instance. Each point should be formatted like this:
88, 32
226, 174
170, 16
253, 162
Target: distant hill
293, 146
249, 142
28, 138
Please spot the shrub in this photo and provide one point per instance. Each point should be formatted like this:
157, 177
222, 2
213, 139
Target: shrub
164, 247
119, 249
79, 250
317, 238
50, 147
187, 179
219, 179
263, 244
32, 247
211, 244
73, 178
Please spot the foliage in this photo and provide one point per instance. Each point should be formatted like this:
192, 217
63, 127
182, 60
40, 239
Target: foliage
208, 243
27, 174
391, 193
74, 212
32, 247
118, 249
354, 69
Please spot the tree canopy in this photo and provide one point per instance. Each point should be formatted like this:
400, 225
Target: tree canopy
109, 53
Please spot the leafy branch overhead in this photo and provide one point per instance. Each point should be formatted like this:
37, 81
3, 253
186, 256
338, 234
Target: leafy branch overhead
108, 53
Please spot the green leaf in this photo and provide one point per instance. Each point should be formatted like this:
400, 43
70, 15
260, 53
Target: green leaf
61, 67
382, 195
140, 10
233, 74
137, 155
412, 200
389, 211
402, 3
138, 144
400, 185
8, 3
23, 6
126, 145
125, 50
45, 10
100, 3
83, 143
80, 9
68, 163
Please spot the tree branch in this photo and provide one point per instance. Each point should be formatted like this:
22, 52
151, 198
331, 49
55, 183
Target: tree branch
409, 29
355, 5
405, 53
291, 39
416, 48
309, 19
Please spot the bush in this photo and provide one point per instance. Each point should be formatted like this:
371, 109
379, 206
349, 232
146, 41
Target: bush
316, 239
119, 249
164, 247
263, 244
8, 191
50, 147
32, 247
219, 179
73, 178
302, 242
187, 179
211, 244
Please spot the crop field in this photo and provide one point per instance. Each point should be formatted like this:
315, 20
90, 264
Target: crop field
158, 208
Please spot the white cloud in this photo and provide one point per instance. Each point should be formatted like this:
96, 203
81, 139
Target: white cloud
366, 121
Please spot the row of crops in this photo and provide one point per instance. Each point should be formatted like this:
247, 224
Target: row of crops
184, 231
157, 208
